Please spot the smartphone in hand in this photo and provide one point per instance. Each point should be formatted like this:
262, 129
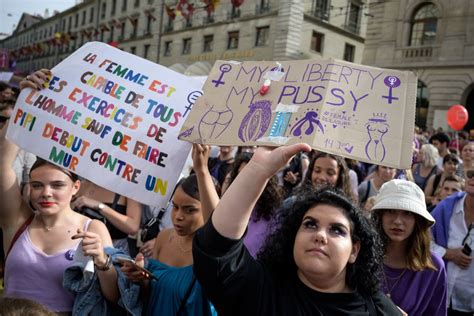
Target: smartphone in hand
466, 250
125, 260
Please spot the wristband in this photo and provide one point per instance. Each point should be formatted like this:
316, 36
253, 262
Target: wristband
107, 265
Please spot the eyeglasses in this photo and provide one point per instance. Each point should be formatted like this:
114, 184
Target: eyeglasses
470, 174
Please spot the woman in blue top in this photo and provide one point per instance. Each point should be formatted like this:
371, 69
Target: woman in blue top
174, 289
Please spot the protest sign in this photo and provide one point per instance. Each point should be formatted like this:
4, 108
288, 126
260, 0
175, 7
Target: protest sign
355, 111
110, 117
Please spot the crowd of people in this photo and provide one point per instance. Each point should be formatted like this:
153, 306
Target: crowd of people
248, 231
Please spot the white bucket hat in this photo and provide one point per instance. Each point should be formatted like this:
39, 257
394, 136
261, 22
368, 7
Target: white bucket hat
402, 195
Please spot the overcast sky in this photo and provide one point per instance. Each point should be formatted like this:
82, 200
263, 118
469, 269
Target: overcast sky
11, 10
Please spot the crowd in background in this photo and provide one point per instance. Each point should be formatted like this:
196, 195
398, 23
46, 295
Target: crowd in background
409, 231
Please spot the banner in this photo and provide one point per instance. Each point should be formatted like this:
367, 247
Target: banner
355, 111
112, 118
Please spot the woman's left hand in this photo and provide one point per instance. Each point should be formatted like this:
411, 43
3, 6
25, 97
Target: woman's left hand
36, 80
200, 155
83, 201
92, 246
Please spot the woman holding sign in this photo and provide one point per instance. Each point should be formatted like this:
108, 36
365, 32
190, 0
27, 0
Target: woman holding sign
43, 236
322, 260
173, 289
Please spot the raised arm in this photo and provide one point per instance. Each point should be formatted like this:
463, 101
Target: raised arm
9, 189
232, 214
207, 190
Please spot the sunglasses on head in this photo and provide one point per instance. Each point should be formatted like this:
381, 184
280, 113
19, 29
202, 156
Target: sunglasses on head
470, 174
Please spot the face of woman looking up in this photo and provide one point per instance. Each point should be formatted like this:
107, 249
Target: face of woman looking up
51, 189
323, 247
398, 225
325, 172
186, 214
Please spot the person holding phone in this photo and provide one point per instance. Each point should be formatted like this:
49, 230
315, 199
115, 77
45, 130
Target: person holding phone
168, 282
453, 236
42, 236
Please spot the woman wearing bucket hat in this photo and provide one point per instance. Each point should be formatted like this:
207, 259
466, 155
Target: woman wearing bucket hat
413, 277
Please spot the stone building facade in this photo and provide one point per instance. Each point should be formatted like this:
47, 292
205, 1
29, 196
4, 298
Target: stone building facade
435, 39
189, 35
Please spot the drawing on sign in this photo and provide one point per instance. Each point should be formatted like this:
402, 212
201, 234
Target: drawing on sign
256, 121
187, 132
376, 127
308, 123
391, 82
214, 122
223, 69
192, 97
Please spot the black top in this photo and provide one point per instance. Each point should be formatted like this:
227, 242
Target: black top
219, 168
116, 233
237, 284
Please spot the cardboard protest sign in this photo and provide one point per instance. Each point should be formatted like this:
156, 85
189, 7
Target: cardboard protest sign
351, 110
112, 118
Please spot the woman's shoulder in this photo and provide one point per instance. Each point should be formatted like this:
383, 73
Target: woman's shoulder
437, 262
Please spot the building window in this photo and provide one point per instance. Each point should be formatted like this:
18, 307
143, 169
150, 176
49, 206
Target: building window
124, 5
91, 16
111, 37
102, 35
317, 42
137, 3
135, 27
349, 52
233, 40
114, 5
167, 50
320, 9
76, 20
146, 49
422, 104
208, 43
423, 25
263, 34
84, 13
186, 46
353, 18
122, 30
133, 50
148, 24
69, 26
104, 8
235, 13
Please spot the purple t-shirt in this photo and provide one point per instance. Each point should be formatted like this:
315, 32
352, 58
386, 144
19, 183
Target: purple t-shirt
257, 232
418, 292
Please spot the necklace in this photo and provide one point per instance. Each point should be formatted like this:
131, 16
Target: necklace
391, 288
180, 245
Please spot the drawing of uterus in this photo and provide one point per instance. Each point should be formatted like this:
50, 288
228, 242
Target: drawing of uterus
375, 148
214, 122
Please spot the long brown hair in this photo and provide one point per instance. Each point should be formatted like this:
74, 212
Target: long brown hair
343, 182
418, 254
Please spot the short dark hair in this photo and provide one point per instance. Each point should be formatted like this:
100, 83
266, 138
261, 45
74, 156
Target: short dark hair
451, 158
441, 137
277, 254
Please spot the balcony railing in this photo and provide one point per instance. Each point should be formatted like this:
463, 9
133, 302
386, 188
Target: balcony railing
208, 19
261, 9
169, 28
188, 23
322, 15
352, 27
234, 14
417, 52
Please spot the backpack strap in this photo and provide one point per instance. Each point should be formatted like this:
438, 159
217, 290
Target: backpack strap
186, 296
115, 202
18, 233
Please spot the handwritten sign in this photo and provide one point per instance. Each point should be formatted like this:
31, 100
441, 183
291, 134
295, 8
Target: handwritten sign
356, 111
110, 117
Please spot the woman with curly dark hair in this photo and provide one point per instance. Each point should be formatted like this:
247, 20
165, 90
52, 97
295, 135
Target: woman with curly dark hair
322, 260
262, 219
